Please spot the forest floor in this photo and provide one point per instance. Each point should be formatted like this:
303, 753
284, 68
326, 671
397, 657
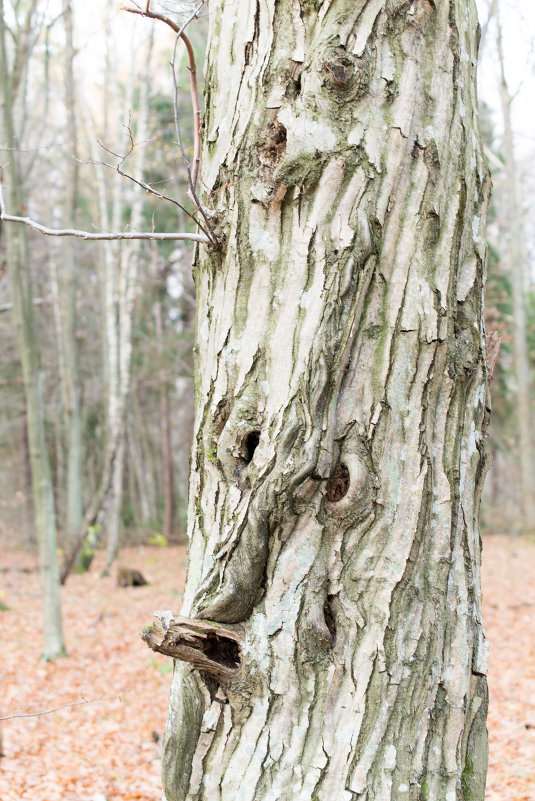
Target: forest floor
108, 748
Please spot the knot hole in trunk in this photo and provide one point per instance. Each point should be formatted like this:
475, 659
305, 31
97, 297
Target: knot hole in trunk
250, 445
338, 483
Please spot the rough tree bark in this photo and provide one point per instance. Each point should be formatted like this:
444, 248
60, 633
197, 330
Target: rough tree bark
341, 401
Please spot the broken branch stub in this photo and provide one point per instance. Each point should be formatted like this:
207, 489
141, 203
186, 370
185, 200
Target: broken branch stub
206, 645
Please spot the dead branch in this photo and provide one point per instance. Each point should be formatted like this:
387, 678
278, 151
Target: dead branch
208, 646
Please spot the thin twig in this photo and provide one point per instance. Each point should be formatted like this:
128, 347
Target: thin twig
148, 187
96, 236
55, 709
192, 173
193, 76
160, 237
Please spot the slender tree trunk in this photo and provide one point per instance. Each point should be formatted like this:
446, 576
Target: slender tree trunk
138, 468
27, 516
27, 338
144, 457
167, 463
515, 254
340, 403
116, 498
73, 414
130, 258
165, 414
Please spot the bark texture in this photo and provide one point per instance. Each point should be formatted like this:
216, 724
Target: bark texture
340, 403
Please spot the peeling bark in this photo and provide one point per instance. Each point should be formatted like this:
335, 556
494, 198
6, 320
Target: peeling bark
341, 401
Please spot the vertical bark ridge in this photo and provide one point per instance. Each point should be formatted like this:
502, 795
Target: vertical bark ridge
342, 329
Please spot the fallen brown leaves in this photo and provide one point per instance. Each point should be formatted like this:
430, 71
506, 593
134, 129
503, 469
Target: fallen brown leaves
107, 749
509, 612
102, 750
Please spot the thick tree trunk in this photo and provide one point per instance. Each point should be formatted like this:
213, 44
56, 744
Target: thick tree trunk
340, 404
18, 261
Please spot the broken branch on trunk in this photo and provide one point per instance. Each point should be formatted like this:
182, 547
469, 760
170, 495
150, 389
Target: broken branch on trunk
206, 645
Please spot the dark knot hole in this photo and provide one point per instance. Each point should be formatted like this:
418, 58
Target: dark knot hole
251, 444
338, 483
222, 650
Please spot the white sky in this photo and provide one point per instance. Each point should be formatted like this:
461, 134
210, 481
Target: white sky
518, 23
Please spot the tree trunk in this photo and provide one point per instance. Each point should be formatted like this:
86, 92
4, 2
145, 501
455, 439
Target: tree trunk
515, 255
73, 416
18, 261
165, 410
130, 258
340, 405
138, 469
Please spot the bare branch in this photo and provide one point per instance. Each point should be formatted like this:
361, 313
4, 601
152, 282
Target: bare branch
97, 236
55, 709
192, 172
148, 188
160, 237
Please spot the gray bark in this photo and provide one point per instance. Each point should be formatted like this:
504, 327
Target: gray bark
341, 401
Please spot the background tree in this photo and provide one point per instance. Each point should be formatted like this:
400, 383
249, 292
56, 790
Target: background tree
509, 289
516, 254
13, 85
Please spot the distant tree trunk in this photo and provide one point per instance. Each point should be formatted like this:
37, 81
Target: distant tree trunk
167, 463
27, 338
145, 459
73, 415
130, 260
165, 413
27, 509
340, 406
138, 467
515, 255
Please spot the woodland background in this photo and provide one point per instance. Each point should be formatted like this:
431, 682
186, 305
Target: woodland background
133, 339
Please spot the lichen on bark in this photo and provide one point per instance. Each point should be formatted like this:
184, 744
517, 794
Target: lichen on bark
341, 328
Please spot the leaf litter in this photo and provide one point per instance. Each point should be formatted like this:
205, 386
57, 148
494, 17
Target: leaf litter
108, 749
